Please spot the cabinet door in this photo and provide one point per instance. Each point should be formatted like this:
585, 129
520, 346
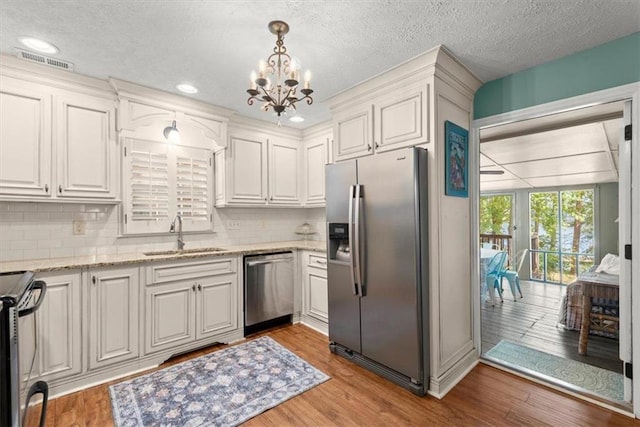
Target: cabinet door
401, 119
59, 333
248, 170
170, 317
25, 139
315, 159
353, 133
284, 176
86, 147
217, 305
113, 316
316, 292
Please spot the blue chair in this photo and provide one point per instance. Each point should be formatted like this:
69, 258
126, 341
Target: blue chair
495, 271
512, 275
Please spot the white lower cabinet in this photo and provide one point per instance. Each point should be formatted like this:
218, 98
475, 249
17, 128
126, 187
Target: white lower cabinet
188, 301
58, 327
315, 300
113, 316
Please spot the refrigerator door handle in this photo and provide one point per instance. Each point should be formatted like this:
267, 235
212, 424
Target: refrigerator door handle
356, 226
352, 270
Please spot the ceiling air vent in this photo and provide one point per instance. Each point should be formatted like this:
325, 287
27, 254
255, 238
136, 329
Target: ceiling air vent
44, 60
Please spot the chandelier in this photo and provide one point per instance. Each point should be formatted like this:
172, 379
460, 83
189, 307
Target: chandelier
276, 83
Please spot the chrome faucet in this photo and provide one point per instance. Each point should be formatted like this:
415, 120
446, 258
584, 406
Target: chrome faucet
172, 229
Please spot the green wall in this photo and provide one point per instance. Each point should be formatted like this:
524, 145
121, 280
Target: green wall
609, 65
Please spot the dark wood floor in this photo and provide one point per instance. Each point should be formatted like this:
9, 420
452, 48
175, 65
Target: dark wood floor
354, 396
532, 321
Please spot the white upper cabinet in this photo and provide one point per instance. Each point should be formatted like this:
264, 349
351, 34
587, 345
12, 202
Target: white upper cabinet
353, 132
25, 139
86, 145
388, 121
401, 119
316, 156
258, 169
56, 143
247, 163
284, 172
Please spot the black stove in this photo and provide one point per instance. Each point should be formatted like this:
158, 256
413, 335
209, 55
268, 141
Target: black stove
20, 297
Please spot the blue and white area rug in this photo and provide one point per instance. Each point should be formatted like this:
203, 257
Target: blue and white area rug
604, 383
226, 387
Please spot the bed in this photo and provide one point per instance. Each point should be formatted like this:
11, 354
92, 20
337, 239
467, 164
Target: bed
595, 292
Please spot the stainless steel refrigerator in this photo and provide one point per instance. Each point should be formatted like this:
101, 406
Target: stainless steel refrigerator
377, 264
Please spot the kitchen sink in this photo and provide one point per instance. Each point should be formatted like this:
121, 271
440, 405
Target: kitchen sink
184, 251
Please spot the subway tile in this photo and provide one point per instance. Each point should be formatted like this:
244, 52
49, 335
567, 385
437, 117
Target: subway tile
36, 216
23, 244
23, 207
84, 251
12, 255
11, 216
36, 253
49, 207
61, 252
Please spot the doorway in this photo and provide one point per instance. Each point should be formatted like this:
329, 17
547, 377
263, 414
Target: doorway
564, 254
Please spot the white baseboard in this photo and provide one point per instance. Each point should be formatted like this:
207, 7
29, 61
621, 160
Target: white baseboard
439, 387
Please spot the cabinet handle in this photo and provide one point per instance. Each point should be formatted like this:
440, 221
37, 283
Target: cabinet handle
321, 262
368, 147
46, 188
199, 287
193, 287
93, 279
59, 188
377, 145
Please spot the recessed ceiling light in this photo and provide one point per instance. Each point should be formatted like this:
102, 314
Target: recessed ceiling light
39, 45
187, 88
296, 119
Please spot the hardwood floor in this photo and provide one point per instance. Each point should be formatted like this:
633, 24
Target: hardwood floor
531, 321
354, 396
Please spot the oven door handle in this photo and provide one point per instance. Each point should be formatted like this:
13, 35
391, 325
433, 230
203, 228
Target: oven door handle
38, 284
39, 387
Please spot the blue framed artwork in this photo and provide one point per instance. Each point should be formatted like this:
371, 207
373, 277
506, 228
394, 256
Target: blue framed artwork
456, 144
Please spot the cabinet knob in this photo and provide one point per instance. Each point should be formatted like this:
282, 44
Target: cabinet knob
199, 287
271, 198
59, 188
368, 147
193, 287
93, 279
46, 188
265, 199
377, 145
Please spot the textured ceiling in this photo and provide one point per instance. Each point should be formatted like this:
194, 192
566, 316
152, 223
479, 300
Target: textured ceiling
215, 44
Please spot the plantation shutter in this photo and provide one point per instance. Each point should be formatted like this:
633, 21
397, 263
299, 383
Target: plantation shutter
162, 181
193, 188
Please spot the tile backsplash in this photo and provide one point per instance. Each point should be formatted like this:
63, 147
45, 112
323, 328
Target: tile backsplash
46, 230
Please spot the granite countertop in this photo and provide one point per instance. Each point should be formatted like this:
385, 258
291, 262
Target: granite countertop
72, 263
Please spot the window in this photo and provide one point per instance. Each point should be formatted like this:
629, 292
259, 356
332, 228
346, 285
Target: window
163, 180
561, 229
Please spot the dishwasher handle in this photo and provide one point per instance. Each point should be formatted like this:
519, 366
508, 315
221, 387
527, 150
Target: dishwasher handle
270, 261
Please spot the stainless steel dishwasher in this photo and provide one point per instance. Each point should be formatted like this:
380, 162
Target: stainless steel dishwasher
268, 291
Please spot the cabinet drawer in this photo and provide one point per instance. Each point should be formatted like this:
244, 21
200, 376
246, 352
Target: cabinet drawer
189, 270
317, 261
